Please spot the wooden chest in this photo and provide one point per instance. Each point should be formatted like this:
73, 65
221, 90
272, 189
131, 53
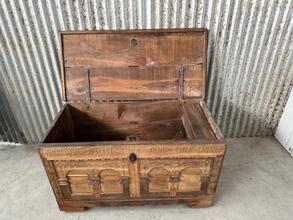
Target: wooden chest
134, 128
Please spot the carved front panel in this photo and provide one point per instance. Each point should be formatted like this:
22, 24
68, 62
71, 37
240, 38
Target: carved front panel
78, 182
111, 182
158, 180
189, 180
93, 179
134, 171
174, 177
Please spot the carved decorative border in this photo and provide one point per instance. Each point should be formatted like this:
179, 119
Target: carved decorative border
142, 151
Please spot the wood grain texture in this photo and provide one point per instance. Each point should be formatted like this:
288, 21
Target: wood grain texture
62, 127
115, 49
134, 130
121, 70
197, 121
88, 173
157, 120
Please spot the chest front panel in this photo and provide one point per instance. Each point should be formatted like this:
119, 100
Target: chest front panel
99, 174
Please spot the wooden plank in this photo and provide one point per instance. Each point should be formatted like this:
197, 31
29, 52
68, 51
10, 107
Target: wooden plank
211, 121
122, 151
132, 83
156, 54
109, 50
76, 84
193, 86
188, 128
199, 123
116, 121
104, 50
62, 129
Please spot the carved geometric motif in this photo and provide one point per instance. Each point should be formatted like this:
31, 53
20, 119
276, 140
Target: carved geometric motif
92, 179
172, 176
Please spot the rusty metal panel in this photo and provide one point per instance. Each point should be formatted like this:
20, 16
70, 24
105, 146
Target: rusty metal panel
249, 55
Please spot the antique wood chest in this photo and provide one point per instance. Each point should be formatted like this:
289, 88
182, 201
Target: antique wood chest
134, 128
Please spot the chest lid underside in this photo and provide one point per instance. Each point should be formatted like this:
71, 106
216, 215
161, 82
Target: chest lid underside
133, 65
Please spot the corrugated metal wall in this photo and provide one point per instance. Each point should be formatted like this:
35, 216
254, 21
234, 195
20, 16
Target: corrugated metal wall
9, 129
249, 56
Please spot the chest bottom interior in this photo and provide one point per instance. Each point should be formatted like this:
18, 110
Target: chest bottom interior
139, 121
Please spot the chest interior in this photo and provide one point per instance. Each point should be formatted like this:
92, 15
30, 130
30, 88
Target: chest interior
132, 86
148, 121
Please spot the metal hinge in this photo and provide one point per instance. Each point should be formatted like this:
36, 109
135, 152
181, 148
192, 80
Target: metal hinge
181, 82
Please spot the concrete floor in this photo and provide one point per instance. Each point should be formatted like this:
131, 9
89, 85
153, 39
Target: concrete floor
256, 183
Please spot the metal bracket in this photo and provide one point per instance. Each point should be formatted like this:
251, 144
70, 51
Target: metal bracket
88, 86
181, 82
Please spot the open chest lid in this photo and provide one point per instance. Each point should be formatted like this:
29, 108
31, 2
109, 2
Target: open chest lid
133, 65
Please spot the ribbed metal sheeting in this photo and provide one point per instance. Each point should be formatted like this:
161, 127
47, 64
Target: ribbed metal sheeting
249, 56
9, 129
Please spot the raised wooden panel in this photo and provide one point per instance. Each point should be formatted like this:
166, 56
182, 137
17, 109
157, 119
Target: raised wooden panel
93, 179
189, 180
110, 182
79, 184
175, 177
159, 180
